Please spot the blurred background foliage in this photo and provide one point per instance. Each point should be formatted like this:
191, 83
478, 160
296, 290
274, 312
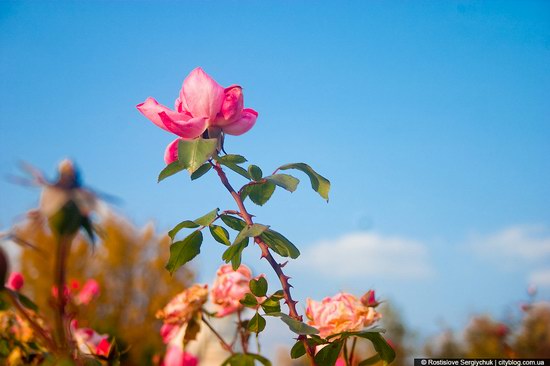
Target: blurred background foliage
127, 262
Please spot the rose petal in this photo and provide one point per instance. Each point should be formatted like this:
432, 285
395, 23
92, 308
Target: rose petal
244, 124
151, 109
232, 105
171, 152
189, 129
15, 281
201, 95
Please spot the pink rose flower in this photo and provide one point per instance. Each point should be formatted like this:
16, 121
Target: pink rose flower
15, 281
202, 105
89, 341
175, 356
89, 291
229, 288
184, 306
340, 313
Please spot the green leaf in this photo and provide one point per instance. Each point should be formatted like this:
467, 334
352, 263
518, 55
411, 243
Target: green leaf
232, 158
237, 169
208, 218
370, 361
250, 231
319, 183
88, 228
193, 153
255, 172
328, 355
171, 169
234, 252
285, 181
271, 306
233, 222
258, 287
260, 193
256, 324
220, 234
278, 295
385, 351
295, 325
183, 251
240, 359
26, 302
187, 224
298, 350
249, 300
236, 260
203, 169
279, 244
191, 330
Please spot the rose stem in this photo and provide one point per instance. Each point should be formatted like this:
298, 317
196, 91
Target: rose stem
226, 346
63, 246
265, 254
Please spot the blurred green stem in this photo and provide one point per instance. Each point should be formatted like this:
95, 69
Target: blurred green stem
63, 249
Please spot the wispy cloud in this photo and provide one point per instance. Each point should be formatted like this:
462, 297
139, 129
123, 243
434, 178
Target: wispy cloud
369, 254
520, 243
541, 278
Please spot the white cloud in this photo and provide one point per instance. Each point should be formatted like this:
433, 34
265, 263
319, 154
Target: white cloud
526, 243
540, 278
369, 254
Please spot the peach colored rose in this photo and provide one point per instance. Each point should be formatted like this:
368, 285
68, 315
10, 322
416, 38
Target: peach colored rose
229, 288
202, 105
340, 313
184, 306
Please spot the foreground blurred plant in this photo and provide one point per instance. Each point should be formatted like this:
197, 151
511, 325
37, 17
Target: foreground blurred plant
67, 207
204, 113
126, 266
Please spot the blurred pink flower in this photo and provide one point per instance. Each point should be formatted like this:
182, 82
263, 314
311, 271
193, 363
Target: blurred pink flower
169, 332
202, 104
340, 313
89, 341
229, 288
175, 356
15, 281
89, 291
184, 306
340, 362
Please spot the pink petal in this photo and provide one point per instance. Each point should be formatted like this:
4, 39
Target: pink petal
171, 153
190, 129
232, 105
15, 281
103, 348
151, 109
244, 124
169, 332
89, 291
201, 95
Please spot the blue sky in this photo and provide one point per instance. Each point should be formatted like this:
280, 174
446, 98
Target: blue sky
431, 119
